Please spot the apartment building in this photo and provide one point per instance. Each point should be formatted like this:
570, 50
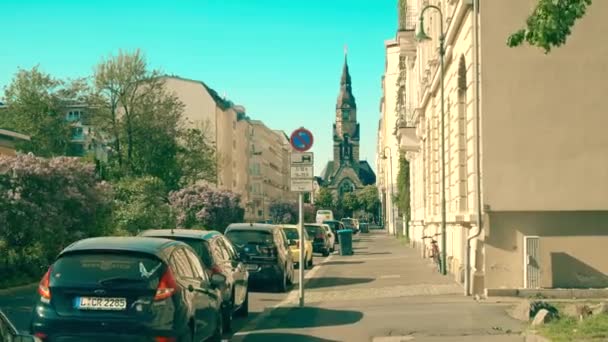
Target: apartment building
526, 168
8, 139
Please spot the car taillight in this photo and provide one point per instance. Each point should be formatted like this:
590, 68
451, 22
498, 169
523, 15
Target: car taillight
44, 285
216, 269
166, 286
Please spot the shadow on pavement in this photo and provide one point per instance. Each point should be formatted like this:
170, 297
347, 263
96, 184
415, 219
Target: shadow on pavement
308, 317
315, 283
278, 337
373, 253
342, 263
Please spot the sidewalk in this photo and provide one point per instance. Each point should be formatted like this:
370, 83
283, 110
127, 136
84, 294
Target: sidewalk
384, 293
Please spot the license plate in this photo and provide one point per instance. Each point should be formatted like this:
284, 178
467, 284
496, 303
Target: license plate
101, 303
252, 267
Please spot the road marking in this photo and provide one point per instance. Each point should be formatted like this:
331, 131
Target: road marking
390, 276
292, 296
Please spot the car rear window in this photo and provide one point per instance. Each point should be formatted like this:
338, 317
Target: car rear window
91, 268
240, 237
313, 230
332, 225
200, 247
292, 233
324, 212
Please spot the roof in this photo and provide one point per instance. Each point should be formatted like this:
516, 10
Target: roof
367, 176
251, 226
184, 233
146, 245
220, 101
346, 97
13, 135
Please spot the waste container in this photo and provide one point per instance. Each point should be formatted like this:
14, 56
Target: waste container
364, 228
345, 236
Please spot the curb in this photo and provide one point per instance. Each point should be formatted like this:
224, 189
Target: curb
12, 290
531, 337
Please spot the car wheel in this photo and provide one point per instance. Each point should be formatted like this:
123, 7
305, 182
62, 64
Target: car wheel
227, 316
282, 285
219, 332
326, 252
243, 311
310, 262
291, 275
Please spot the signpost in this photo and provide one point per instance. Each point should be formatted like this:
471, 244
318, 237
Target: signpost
302, 173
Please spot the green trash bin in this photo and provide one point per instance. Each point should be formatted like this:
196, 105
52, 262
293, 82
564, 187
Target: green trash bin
364, 227
345, 236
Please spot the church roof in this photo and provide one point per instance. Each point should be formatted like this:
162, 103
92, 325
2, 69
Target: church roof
367, 176
345, 97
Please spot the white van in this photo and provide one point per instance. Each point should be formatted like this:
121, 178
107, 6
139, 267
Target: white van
324, 215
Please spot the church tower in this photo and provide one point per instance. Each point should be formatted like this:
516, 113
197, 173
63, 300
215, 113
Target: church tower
346, 128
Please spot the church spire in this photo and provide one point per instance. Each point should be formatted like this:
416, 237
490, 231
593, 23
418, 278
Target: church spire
345, 97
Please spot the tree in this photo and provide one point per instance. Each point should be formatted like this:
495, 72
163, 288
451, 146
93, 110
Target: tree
350, 203
403, 187
140, 204
370, 199
200, 206
283, 212
550, 23
142, 117
325, 199
45, 205
36, 106
196, 158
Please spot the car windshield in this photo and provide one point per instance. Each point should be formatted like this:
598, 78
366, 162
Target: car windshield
313, 230
95, 268
332, 225
292, 233
241, 237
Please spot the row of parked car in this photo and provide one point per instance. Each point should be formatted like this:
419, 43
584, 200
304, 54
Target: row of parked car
168, 284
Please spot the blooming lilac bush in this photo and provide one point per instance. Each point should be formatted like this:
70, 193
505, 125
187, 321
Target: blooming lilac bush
287, 212
200, 206
45, 204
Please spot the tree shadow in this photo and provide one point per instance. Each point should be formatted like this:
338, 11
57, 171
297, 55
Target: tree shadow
308, 317
316, 283
280, 337
342, 263
373, 253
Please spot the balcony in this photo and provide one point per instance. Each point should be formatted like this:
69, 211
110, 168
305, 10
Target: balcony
407, 138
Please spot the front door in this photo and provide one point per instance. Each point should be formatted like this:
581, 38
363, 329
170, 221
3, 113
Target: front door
532, 262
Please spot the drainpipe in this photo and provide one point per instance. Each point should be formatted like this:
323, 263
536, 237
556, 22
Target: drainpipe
479, 223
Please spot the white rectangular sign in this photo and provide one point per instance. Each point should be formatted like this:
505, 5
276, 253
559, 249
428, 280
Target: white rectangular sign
302, 172
302, 159
301, 185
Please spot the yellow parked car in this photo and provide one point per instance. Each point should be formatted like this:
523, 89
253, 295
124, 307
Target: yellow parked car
291, 231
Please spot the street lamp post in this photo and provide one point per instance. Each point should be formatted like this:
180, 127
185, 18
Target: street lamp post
390, 156
422, 36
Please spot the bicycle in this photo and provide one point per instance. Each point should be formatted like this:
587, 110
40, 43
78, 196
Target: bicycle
435, 254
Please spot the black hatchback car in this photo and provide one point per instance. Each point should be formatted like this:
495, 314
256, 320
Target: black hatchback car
265, 250
128, 289
218, 255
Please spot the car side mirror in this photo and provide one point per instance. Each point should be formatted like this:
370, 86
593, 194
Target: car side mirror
217, 280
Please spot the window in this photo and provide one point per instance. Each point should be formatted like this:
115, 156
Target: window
221, 248
345, 114
199, 273
180, 263
229, 248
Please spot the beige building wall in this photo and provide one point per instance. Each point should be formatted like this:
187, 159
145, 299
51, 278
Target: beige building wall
544, 150
242, 157
387, 141
544, 166
7, 141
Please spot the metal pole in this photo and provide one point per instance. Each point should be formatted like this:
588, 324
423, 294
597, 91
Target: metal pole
301, 261
392, 193
443, 204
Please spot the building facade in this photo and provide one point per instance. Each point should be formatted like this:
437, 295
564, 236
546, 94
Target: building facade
346, 172
525, 164
387, 153
8, 140
253, 159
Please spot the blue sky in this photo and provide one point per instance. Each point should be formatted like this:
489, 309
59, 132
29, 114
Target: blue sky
281, 59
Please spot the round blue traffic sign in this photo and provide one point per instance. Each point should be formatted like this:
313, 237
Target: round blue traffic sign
301, 139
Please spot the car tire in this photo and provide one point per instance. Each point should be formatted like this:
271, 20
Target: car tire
243, 311
291, 275
326, 252
310, 262
282, 285
227, 316
218, 334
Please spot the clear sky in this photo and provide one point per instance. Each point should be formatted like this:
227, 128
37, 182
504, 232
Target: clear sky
281, 59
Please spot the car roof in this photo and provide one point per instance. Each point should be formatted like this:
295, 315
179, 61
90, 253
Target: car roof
290, 226
332, 221
252, 226
153, 246
183, 233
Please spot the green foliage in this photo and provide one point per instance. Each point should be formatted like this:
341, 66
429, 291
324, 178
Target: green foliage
566, 329
350, 203
196, 158
403, 187
36, 106
325, 199
550, 23
370, 199
46, 204
140, 204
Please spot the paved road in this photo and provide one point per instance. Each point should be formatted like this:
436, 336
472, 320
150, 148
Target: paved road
17, 304
383, 293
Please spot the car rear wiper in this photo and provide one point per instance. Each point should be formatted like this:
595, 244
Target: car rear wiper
120, 280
